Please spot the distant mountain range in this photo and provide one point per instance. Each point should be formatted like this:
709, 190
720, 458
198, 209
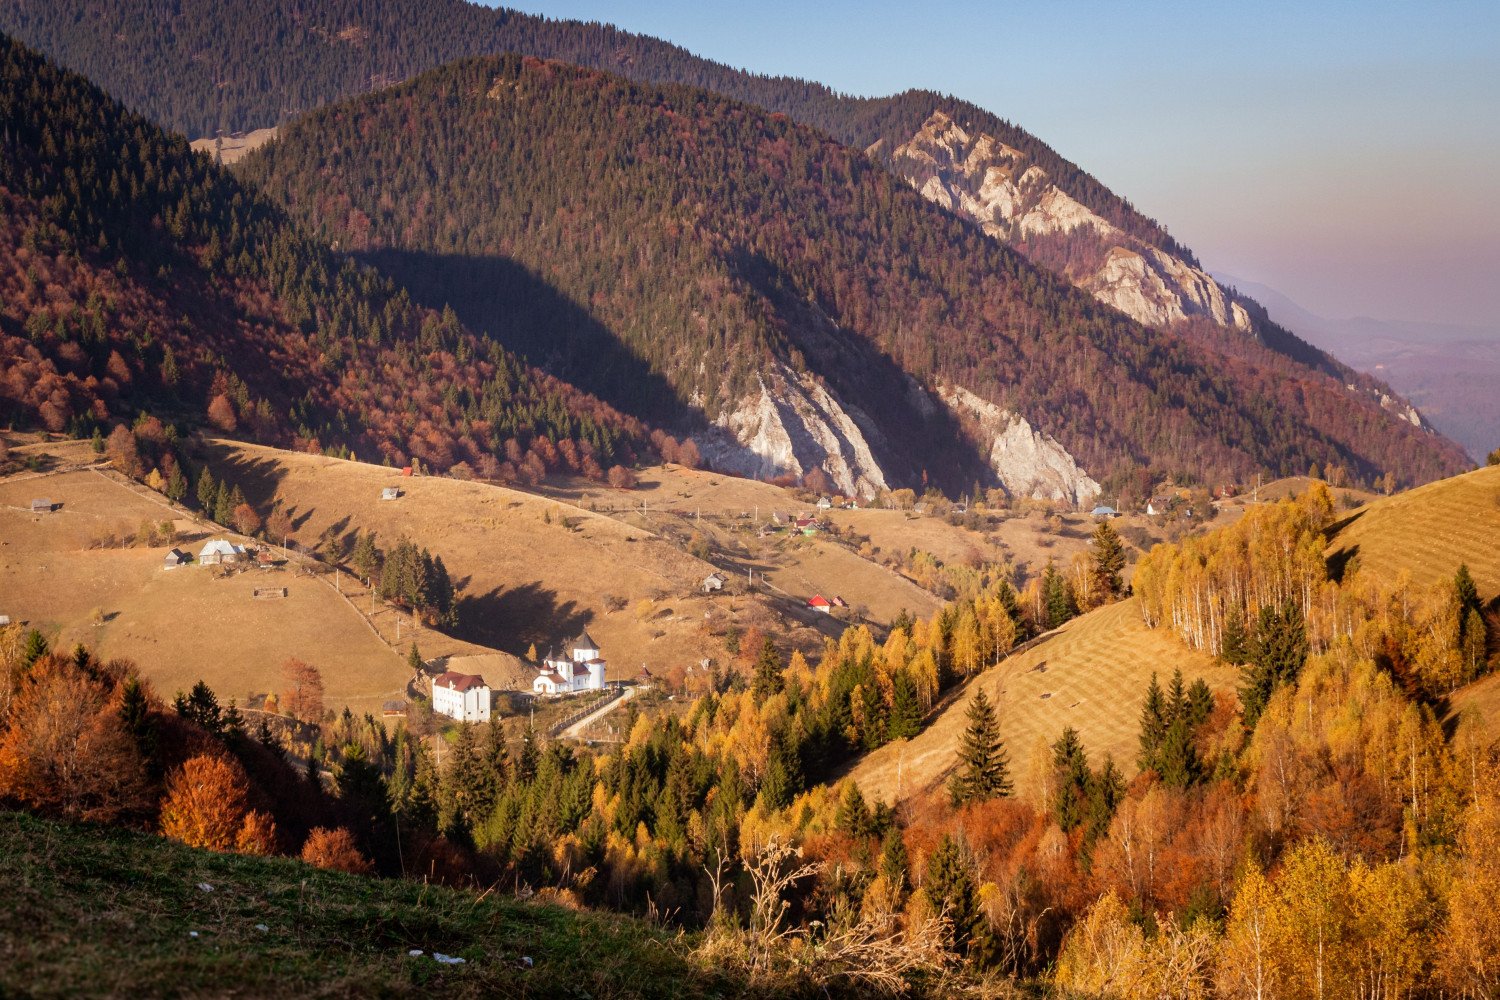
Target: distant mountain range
846, 330
1449, 371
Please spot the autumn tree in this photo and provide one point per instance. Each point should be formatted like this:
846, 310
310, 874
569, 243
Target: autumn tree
221, 414
302, 691
123, 452
207, 805
65, 751
246, 521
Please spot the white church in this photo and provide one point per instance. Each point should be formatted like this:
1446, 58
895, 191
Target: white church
583, 671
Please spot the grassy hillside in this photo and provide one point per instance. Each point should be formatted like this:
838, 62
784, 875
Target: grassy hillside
529, 569
101, 912
1091, 674
1429, 531
184, 625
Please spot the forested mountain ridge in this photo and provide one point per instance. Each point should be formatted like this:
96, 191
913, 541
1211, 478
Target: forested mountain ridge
136, 277
719, 242
200, 66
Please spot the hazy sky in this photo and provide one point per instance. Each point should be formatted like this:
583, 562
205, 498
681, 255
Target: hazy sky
1345, 153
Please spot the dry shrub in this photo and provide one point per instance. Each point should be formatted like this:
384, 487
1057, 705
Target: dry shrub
335, 850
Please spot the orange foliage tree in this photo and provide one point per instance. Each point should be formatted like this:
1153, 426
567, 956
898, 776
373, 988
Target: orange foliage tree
207, 805
65, 750
335, 850
303, 697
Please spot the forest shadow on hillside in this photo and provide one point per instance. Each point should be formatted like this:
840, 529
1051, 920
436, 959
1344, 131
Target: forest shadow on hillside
502, 299
512, 618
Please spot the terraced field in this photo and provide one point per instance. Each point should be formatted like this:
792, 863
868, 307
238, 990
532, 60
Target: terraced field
1091, 674
1430, 530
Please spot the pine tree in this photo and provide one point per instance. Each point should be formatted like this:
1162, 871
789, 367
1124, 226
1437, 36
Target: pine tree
208, 491
905, 719
177, 485
1153, 727
949, 885
1179, 757
894, 864
1057, 597
1072, 766
983, 765
366, 557
853, 815
1276, 654
414, 659
135, 714
1106, 560
1233, 647
223, 511
1465, 590
768, 667
526, 763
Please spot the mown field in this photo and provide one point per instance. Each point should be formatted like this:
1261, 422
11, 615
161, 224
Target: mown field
1091, 674
1429, 531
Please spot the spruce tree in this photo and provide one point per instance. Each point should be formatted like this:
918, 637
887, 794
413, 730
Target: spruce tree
414, 659
894, 864
983, 765
1465, 590
853, 815
208, 491
768, 669
1057, 597
1153, 727
949, 885
366, 558
1233, 642
1106, 560
1072, 766
906, 709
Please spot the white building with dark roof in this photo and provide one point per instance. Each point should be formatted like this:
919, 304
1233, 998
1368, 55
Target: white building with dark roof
465, 697
582, 671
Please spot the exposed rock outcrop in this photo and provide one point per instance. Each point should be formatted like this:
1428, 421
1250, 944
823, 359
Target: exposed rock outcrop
1026, 462
984, 180
794, 424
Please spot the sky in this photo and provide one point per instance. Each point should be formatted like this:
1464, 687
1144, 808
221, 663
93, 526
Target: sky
1346, 154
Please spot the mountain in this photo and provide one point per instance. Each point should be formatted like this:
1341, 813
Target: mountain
1449, 371
202, 66
137, 277
708, 265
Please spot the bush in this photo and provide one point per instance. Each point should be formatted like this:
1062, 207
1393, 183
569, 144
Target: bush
335, 850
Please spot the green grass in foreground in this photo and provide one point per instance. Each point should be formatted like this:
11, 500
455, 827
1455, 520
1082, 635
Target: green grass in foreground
104, 912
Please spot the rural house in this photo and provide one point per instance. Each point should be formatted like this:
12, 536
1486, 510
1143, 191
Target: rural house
390, 493
820, 603
465, 697
219, 551
583, 671
713, 582
1105, 512
175, 558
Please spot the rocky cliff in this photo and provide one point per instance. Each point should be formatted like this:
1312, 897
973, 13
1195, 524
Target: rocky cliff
992, 184
792, 425
1025, 461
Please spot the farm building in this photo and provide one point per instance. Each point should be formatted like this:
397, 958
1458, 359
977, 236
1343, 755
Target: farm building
583, 671
1105, 512
820, 603
4, 620
713, 582
175, 558
825, 503
465, 697
41, 505
390, 493
219, 551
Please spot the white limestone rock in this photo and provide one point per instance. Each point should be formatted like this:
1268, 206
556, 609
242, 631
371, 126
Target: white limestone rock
793, 424
982, 179
1026, 461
